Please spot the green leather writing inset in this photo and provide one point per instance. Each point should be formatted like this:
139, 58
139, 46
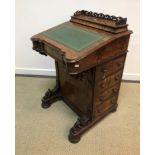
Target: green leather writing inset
73, 37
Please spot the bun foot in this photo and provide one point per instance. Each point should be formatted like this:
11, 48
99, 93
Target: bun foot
114, 108
74, 138
46, 104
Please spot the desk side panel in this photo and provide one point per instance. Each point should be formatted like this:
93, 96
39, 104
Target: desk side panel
77, 90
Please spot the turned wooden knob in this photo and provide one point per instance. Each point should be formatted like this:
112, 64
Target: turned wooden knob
104, 70
119, 63
102, 85
115, 90
103, 76
98, 111
117, 77
101, 98
112, 101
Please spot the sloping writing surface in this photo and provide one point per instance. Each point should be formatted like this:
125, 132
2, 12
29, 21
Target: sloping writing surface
73, 37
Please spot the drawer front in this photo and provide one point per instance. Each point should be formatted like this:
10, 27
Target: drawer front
100, 98
115, 48
108, 82
104, 70
101, 108
118, 63
115, 78
82, 65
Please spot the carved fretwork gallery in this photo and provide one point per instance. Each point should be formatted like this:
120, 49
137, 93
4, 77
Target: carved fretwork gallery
117, 20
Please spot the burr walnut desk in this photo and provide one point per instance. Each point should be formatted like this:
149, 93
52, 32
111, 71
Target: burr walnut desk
89, 52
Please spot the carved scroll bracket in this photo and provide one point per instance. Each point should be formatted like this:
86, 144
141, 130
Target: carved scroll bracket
76, 130
50, 97
39, 47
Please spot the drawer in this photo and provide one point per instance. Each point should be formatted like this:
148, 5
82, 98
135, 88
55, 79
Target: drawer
104, 70
100, 98
101, 108
118, 63
101, 86
115, 78
108, 82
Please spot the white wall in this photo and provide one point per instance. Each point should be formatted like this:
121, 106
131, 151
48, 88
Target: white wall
34, 16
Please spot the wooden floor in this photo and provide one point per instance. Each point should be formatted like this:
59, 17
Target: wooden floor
45, 132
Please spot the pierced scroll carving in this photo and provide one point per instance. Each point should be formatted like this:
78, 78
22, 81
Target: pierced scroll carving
117, 20
39, 47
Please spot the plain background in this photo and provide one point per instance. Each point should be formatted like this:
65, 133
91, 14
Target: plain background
36, 16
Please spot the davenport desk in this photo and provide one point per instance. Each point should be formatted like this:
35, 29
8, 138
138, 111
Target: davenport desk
89, 52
